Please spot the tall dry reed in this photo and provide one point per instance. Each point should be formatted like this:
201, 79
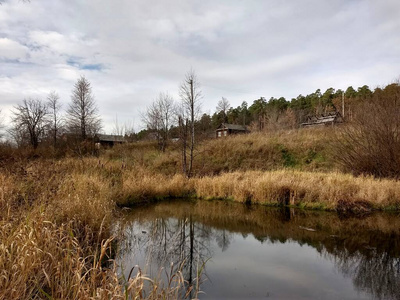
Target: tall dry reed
324, 190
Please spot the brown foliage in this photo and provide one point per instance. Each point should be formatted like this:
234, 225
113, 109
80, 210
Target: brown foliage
370, 144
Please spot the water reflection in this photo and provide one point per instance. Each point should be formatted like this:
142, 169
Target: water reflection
260, 252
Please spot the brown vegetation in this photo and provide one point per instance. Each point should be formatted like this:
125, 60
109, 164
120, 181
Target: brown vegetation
55, 233
370, 143
56, 215
333, 191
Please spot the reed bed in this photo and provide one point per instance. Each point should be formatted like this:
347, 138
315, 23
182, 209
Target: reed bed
55, 231
333, 191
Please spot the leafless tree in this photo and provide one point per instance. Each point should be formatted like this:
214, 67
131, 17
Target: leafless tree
82, 112
190, 94
158, 118
29, 120
223, 106
129, 128
118, 128
55, 118
183, 125
370, 143
1, 125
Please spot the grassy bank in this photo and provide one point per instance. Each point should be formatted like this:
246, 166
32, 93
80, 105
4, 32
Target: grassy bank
316, 190
332, 191
306, 150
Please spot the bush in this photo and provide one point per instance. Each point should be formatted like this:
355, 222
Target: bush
370, 144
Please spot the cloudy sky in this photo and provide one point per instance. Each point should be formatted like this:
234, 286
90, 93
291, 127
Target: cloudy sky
131, 50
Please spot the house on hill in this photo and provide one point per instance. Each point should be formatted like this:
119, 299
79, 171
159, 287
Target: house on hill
106, 140
323, 120
229, 129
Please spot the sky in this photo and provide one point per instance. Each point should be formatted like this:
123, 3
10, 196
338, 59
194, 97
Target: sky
132, 50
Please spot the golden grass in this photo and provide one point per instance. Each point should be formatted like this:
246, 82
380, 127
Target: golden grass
324, 190
152, 187
55, 230
42, 260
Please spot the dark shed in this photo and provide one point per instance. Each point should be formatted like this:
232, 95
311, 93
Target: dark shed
107, 140
228, 129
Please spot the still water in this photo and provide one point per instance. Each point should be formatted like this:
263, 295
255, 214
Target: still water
265, 253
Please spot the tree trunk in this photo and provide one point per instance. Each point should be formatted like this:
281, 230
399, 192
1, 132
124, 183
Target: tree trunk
192, 129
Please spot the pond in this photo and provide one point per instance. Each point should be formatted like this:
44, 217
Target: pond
257, 252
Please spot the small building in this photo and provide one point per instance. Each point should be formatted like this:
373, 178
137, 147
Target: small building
331, 119
229, 129
107, 140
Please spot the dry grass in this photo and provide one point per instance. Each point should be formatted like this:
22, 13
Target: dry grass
146, 187
307, 189
305, 149
42, 260
55, 230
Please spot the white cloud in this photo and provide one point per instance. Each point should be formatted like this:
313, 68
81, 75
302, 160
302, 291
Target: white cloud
132, 50
12, 50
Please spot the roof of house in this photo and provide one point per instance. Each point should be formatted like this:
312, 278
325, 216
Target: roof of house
330, 117
110, 138
232, 127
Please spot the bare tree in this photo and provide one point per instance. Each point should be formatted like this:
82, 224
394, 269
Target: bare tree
29, 120
166, 104
118, 128
1, 125
370, 143
55, 119
158, 118
82, 112
129, 128
190, 94
223, 106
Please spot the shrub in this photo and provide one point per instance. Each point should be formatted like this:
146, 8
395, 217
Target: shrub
370, 144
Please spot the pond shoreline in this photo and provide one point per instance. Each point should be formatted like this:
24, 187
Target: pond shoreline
307, 190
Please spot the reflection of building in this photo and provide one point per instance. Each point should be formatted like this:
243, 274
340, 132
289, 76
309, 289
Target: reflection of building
325, 119
228, 129
106, 140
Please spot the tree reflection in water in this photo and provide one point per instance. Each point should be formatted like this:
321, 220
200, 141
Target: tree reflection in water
367, 249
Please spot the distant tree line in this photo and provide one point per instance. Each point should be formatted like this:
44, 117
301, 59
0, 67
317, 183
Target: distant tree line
261, 115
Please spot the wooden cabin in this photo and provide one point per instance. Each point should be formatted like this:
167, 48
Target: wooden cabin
328, 119
229, 129
108, 141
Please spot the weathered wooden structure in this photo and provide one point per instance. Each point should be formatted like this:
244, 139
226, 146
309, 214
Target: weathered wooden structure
328, 119
108, 141
229, 129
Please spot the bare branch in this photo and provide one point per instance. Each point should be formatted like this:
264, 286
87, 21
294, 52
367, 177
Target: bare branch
223, 106
29, 120
82, 112
190, 95
55, 121
158, 118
